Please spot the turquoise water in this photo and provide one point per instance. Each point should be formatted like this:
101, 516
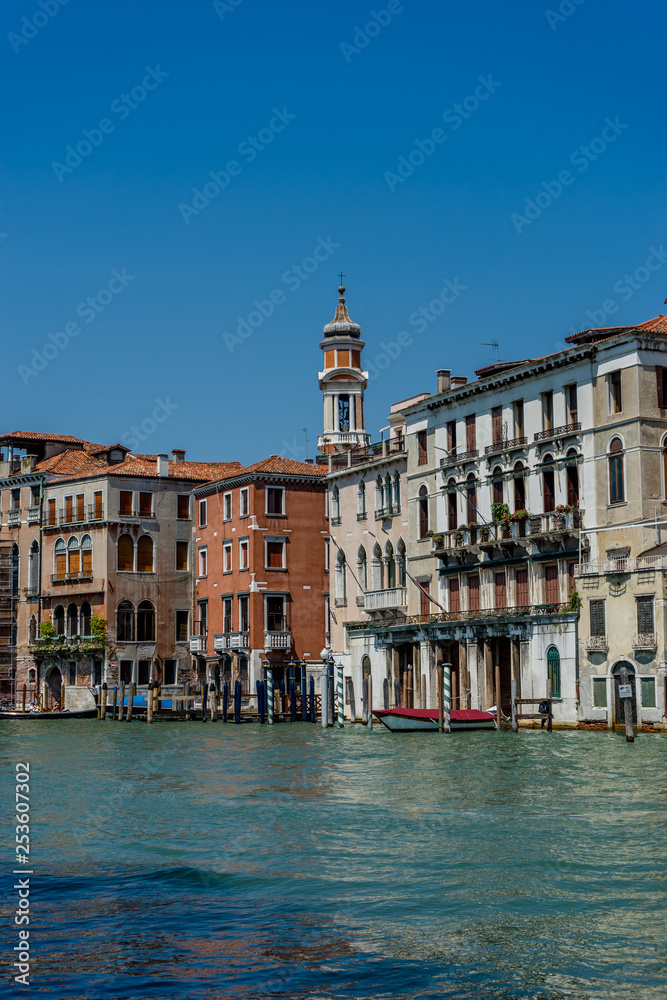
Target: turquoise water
183, 860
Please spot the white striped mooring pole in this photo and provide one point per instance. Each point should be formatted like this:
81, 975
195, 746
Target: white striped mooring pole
324, 695
447, 694
341, 704
269, 694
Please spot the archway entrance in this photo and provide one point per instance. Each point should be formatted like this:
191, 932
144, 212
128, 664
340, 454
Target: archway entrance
54, 686
619, 717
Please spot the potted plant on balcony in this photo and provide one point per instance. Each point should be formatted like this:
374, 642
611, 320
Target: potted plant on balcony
518, 519
566, 514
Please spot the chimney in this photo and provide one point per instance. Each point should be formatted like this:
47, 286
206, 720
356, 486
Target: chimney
444, 379
178, 455
28, 463
459, 380
163, 466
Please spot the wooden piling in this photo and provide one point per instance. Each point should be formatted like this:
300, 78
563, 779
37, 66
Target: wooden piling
304, 694
204, 702
225, 700
370, 701
186, 699
353, 707
441, 698
23, 698
103, 706
312, 700
292, 700
114, 705
214, 704
397, 694
98, 701
515, 721
130, 702
410, 691
364, 701
121, 706
627, 704
149, 703
499, 714
423, 691
454, 690
237, 701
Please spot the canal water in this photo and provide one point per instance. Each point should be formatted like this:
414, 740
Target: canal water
206, 861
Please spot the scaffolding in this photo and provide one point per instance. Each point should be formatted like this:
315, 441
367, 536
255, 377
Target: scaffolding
7, 626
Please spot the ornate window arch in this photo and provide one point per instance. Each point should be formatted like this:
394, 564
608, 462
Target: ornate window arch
519, 482
125, 622
59, 619
361, 499
452, 505
616, 471
33, 566
397, 493
422, 497
341, 578
145, 622
400, 563
553, 670
497, 485
145, 549
125, 553
362, 568
73, 556
377, 569
335, 504
87, 555
84, 618
471, 498
60, 558
548, 484
391, 565
72, 619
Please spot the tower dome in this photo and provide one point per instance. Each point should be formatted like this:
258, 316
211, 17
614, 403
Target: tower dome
341, 324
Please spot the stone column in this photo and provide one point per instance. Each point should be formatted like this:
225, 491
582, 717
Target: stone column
486, 687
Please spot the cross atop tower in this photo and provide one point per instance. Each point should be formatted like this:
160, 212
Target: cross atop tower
341, 276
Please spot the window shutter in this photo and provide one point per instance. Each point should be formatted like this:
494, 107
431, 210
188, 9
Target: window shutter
522, 587
501, 595
473, 593
454, 597
497, 424
660, 385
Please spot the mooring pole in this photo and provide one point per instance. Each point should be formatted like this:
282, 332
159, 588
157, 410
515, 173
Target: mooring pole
364, 700
341, 699
260, 702
130, 702
114, 700
304, 694
423, 691
499, 714
204, 698
370, 701
121, 706
312, 700
186, 699
625, 695
515, 721
103, 706
447, 696
149, 703
441, 698
324, 694
225, 699
385, 693
330, 707
214, 703
353, 707
237, 701
270, 694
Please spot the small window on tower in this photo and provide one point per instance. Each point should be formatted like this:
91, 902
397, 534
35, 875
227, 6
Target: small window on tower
356, 359
344, 414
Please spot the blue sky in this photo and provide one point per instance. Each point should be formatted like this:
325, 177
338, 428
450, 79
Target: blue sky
304, 113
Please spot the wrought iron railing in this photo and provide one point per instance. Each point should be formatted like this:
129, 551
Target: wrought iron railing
596, 642
464, 617
494, 449
645, 640
454, 458
552, 432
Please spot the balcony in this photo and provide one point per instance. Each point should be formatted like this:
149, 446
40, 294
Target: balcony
277, 640
230, 640
96, 512
644, 641
555, 432
384, 600
197, 643
83, 574
597, 643
621, 565
33, 514
455, 458
500, 446
14, 517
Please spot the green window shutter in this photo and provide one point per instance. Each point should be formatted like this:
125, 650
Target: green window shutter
648, 692
553, 671
599, 692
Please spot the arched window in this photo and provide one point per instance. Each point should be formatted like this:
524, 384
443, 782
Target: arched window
471, 499
341, 579
125, 553
15, 568
362, 568
616, 483
377, 568
497, 485
73, 556
72, 619
33, 567
145, 622
452, 516
423, 511
548, 484
572, 478
344, 413
59, 619
361, 500
335, 505
400, 562
125, 622
32, 676
553, 670
87, 555
60, 553
32, 629
397, 493
84, 618
379, 494
519, 487
391, 566
145, 554
388, 493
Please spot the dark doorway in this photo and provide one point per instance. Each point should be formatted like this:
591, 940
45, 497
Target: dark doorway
503, 657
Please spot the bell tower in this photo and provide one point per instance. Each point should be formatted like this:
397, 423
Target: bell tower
343, 383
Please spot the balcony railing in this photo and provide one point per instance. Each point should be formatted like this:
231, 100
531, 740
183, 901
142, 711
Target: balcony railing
596, 642
14, 517
500, 531
197, 643
96, 512
553, 432
644, 641
455, 457
381, 600
230, 640
499, 446
470, 617
83, 574
33, 514
277, 640
624, 564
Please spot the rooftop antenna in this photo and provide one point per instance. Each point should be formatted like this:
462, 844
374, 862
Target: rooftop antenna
305, 431
494, 343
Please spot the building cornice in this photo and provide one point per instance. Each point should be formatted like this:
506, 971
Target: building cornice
222, 485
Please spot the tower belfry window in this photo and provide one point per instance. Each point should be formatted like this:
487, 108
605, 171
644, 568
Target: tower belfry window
344, 413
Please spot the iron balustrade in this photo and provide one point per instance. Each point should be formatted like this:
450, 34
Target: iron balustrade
494, 449
463, 617
553, 432
453, 458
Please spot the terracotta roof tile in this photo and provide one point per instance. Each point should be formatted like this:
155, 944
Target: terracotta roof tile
656, 325
75, 464
35, 436
286, 466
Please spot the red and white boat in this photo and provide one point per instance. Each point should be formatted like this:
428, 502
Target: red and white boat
425, 720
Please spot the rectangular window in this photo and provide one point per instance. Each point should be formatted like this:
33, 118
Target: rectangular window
661, 378
645, 615
145, 505
451, 437
243, 553
327, 544
182, 619
473, 593
227, 607
571, 403
226, 506
202, 513
87, 558
599, 692
454, 596
424, 600
518, 419
170, 675
244, 613
51, 506
227, 557
34, 495
183, 507
16, 500
98, 512
275, 500
182, 556
275, 614
522, 599
422, 452
547, 410
497, 424
201, 571
126, 671
471, 433
97, 673
71, 671
124, 502
244, 501
648, 692
80, 507
202, 611
615, 395
143, 671
69, 508
598, 625
571, 582
500, 587
551, 579
275, 555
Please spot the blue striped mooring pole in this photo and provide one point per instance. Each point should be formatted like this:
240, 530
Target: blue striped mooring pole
269, 692
304, 694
